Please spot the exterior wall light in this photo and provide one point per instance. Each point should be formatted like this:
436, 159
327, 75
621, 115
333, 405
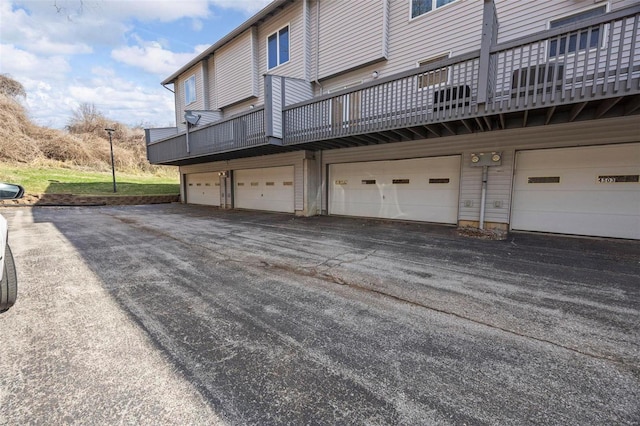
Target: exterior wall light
375, 74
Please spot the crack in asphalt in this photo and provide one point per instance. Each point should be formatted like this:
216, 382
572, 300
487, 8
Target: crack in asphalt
312, 272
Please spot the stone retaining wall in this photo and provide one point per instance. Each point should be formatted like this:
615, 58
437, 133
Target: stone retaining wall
85, 200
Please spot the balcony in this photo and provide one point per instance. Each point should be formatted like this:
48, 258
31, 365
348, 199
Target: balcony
587, 70
583, 71
257, 132
241, 135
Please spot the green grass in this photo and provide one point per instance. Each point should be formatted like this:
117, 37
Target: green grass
38, 180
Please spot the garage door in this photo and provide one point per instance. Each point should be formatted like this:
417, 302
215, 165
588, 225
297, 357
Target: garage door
583, 191
424, 189
268, 189
203, 188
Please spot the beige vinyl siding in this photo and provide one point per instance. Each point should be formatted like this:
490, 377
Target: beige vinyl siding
296, 91
213, 99
306, 39
351, 34
276, 102
295, 159
614, 130
293, 16
240, 108
235, 70
499, 181
518, 18
455, 28
179, 89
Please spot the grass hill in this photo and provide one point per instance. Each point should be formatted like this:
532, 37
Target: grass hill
33, 154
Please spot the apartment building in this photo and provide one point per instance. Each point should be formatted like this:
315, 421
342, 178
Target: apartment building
511, 115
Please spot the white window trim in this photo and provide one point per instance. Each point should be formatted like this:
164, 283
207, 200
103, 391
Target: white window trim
277, 33
411, 18
603, 37
430, 58
195, 94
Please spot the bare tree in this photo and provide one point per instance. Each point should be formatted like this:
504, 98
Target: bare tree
86, 119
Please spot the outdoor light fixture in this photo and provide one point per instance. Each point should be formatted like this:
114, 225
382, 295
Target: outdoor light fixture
495, 157
375, 74
113, 169
474, 158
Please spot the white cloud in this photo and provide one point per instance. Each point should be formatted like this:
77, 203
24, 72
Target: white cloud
247, 6
66, 52
152, 57
119, 100
18, 62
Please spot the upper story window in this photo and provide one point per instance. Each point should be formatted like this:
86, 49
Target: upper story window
578, 40
278, 48
438, 76
420, 7
190, 90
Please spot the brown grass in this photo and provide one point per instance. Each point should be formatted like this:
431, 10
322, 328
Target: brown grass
82, 146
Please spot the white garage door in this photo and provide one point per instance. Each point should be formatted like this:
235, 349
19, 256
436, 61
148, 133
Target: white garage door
203, 188
583, 191
424, 189
268, 189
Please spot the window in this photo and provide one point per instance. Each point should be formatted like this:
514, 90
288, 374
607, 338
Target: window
434, 77
190, 90
578, 40
420, 7
278, 48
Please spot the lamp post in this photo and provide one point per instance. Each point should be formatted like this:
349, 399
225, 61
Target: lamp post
113, 169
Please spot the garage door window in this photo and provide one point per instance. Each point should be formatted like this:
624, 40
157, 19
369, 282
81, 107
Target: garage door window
619, 179
544, 179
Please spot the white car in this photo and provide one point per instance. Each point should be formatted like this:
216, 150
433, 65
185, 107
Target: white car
8, 276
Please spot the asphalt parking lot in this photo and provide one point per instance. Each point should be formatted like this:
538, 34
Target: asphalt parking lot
173, 314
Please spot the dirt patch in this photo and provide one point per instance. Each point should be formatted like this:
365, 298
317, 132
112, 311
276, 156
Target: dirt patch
483, 234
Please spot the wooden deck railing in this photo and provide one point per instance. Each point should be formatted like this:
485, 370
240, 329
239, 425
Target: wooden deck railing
243, 131
592, 59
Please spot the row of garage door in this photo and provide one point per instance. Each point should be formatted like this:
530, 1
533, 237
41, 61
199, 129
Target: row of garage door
268, 189
583, 191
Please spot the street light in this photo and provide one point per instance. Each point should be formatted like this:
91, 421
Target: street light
113, 170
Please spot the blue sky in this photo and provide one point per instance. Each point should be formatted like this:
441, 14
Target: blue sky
111, 53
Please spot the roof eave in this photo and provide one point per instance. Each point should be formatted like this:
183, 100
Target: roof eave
266, 11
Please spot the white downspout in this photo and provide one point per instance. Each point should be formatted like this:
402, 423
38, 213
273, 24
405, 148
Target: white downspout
483, 197
187, 137
317, 81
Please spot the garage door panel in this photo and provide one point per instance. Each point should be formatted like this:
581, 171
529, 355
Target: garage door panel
202, 189
425, 189
269, 189
587, 200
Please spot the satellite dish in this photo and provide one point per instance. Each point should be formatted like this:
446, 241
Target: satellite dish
191, 118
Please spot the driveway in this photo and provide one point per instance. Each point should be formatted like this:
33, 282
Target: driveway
173, 314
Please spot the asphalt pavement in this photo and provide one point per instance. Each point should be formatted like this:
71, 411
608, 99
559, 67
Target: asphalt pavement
174, 314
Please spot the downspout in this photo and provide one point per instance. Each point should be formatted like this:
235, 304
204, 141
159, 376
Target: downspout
317, 81
165, 86
483, 197
187, 137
